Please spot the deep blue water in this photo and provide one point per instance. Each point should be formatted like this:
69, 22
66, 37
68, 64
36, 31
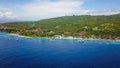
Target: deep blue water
17, 52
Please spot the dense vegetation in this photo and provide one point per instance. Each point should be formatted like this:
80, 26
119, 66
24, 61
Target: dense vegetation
106, 27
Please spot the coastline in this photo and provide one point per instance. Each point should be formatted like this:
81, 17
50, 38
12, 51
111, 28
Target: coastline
19, 35
64, 38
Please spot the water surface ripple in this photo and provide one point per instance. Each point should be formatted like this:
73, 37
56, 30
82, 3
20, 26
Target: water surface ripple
18, 52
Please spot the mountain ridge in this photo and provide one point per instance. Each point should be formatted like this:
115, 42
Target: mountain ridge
97, 26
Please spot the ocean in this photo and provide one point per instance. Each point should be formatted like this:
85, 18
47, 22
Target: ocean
20, 52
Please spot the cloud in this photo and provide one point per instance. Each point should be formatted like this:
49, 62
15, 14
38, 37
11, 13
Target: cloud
7, 15
48, 8
40, 9
3, 8
105, 12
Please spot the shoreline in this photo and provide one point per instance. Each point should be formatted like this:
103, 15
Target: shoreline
19, 35
64, 38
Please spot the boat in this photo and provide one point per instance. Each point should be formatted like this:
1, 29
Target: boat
81, 40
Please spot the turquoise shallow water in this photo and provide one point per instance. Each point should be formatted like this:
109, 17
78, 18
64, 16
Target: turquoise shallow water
18, 52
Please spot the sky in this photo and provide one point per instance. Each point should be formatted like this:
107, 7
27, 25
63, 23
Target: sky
32, 10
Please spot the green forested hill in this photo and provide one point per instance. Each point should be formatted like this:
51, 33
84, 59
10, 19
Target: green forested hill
98, 26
